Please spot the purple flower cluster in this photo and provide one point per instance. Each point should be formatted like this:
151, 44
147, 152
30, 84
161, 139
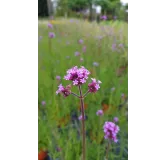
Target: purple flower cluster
80, 117
80, 41
77, 53
99, 113
111, 130
43, 103
94, 85
58, 77
114, 46
64, 90
84, 49
95, 64
77, 75
116, 119
50, 25
104, 17
51, 35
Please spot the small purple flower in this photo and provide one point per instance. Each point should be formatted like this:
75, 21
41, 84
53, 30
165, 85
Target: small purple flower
66, 91
99, 112
114, 46
81, 59
43, 103
77, 53
104, 17
77, 75
116, 119
94, 85
121, 45
58, 77
80, 117
50, 25
84, 49
80, 41
71, 20
95, 64
51, 35
111, 130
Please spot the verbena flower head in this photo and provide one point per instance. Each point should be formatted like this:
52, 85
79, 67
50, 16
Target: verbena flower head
51, 35
58, 77
84, 49
116, 119
43, 103
99, 112
80, 41
121, 45
104, 17
95, 64
65, 91
77, 75
80, 117
94, 85
50, 25
110, 131
114, 46
77, 53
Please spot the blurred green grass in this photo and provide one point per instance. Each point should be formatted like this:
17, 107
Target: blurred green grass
59, 60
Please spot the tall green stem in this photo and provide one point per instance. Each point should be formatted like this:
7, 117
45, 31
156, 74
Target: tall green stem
83, 123
108, 147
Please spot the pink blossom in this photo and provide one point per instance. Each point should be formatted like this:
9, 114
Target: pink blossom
94, 85
51, 35
84, 49
77, 53
64, 90
111, 130
99, 112
116, 119
50, 25
43, 103
80, 117
58, 77
80, 41
77, 75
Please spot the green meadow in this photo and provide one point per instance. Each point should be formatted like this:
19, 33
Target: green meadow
104, 52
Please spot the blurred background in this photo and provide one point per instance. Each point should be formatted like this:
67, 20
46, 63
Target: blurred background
84, 9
